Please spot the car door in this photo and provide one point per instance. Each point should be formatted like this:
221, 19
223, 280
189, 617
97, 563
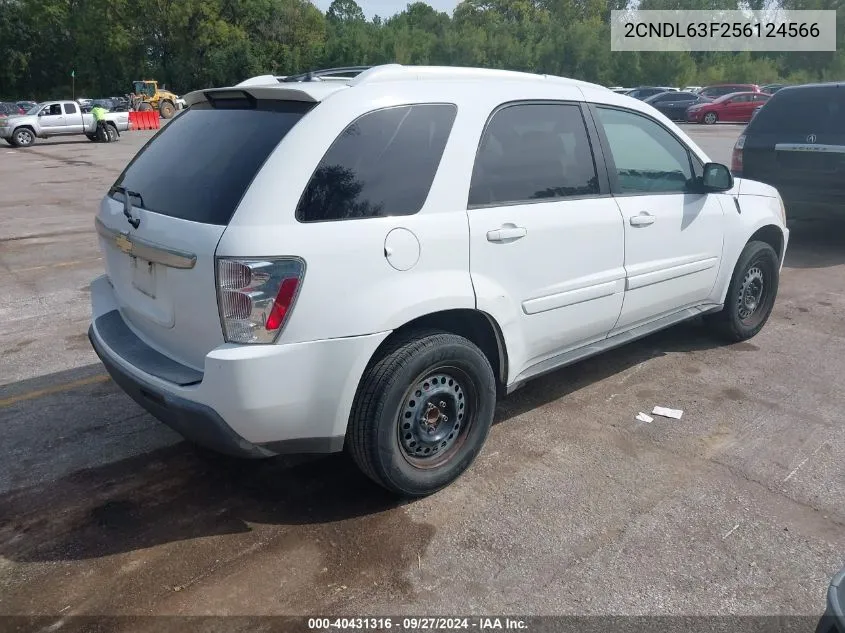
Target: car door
51, 119
673, 237
677, 107
741, 107
73, 118
546, 238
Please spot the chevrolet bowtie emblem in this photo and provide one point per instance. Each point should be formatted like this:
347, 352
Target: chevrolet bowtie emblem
123, 242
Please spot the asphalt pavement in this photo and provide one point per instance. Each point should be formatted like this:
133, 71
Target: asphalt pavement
573, 507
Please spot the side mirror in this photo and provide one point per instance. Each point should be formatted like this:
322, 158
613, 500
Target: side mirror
716, 177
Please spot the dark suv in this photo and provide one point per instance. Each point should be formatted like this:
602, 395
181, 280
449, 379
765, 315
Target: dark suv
797, 144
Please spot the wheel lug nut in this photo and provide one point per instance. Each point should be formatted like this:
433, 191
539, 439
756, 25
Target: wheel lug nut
445, 418
442, 405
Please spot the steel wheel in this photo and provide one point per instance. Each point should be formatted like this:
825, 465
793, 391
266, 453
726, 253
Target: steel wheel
752, 294
435, 417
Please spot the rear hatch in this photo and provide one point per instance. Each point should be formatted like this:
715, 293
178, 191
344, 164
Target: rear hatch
161, 222
798, 140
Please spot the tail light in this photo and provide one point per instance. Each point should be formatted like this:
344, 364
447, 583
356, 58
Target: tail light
256, 296
736, 156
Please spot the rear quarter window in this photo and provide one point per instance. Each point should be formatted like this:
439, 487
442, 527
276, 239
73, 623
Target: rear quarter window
199, 166
382, 164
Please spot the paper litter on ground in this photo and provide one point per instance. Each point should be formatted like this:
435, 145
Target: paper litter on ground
668, 413
642, 417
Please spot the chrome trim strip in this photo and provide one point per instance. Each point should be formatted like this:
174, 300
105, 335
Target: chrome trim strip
152, 252
810, 147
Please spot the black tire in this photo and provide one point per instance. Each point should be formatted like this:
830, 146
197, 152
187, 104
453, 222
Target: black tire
391, 413
112, 133
23, 137
166, 110
751, 294
144, 107
710, 118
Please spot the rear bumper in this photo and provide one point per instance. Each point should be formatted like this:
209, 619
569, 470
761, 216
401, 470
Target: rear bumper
250, 400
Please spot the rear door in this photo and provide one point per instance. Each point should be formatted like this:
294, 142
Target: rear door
73, 118
797, 142
182, 190
545, 236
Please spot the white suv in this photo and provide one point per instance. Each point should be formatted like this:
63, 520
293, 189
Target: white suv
367, 264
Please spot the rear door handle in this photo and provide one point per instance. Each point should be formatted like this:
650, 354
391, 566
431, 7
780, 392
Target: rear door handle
643, 219
508, 233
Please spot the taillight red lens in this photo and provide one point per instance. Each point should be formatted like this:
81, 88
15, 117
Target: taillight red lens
736, 161
287, 291
256, 297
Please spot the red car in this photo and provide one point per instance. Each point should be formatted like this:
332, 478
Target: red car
736, 107
720, 90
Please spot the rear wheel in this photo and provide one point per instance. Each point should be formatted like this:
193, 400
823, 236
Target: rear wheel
710, 118
23, 137
751, 295
422, 413
166, 110
112, 133
144, 107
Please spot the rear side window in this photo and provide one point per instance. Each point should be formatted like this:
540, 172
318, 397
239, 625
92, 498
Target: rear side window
532, 152
382, 164
70, 108
802, 111
200, 165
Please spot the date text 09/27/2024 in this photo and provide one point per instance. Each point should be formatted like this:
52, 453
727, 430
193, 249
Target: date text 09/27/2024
418, 624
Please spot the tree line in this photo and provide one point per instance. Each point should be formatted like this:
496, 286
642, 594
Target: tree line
193, 44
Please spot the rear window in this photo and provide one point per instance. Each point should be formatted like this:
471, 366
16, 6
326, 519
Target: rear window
802, 110
199, 166
382, 164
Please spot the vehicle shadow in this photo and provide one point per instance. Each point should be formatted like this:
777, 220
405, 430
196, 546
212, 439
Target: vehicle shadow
690, 336
181, 492
816, 243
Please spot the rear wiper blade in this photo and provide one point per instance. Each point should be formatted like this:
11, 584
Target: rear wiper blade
127, 205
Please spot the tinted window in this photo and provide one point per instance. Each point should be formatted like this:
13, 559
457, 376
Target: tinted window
739, 99
533, 152
199, 166
382, 164
70, 108
646, 156
803, 110
684, 96
56, 108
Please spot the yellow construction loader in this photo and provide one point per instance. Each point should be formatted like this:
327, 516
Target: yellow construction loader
146, 95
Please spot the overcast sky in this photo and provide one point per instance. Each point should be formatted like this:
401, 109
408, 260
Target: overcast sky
387, 8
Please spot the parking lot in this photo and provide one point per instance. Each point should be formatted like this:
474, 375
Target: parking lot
573, 507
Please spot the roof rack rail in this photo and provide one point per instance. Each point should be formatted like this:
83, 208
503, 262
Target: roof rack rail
343, 72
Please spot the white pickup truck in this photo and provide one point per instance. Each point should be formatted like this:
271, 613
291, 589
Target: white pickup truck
57, 118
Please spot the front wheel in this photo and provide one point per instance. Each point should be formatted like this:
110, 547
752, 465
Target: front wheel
166, 110
751, 294
422, 413
710, 118
23, 137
